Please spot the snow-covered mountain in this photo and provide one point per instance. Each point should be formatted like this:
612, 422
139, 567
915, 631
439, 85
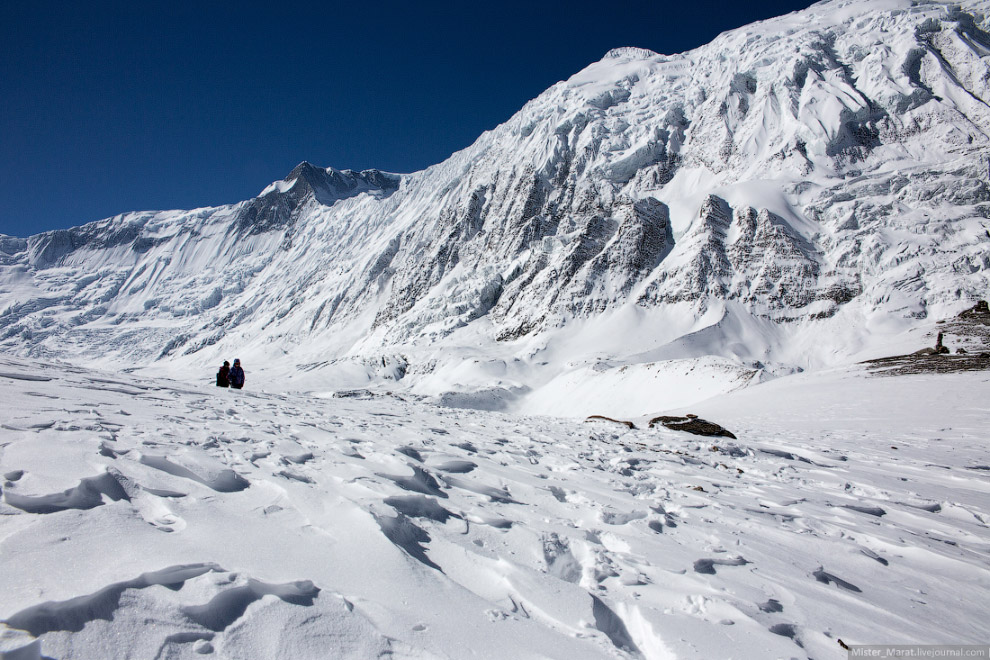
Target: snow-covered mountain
801, 192
656, 231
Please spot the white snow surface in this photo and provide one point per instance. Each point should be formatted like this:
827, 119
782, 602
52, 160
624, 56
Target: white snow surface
801, 193
161, 519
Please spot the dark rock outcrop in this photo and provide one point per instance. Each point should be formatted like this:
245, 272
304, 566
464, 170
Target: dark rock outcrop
692, 424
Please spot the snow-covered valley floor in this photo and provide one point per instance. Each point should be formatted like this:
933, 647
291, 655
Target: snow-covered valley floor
167, 520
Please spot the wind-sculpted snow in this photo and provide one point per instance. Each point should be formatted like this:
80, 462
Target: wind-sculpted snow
805, 189
847, 507
86, 495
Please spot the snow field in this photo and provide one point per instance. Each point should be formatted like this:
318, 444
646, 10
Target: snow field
177, 521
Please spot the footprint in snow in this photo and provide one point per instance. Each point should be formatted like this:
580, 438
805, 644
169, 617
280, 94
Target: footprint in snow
408, 537
612, 625
411, 453
291, 451
420, 506
707, 566
930, 506
491, 521
295, 476
868, 510
619, 518
151, 505
456, 467
13, 375
788, 630
560, 560
874, 556
421, 481
828, 578
201, 469
500, 495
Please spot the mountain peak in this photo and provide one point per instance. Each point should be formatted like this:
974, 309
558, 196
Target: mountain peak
304, 170
329, 185
630, 53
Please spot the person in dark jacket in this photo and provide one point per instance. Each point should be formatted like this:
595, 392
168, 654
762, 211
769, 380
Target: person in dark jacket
223, 376
237, 375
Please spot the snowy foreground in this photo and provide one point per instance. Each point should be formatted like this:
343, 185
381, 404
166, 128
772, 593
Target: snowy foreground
169, 520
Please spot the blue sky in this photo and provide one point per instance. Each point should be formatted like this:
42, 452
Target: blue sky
108, 107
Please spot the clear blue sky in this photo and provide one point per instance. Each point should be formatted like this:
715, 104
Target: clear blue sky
108, 107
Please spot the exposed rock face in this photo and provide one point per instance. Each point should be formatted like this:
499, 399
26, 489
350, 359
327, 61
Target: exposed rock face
692, 424
821, 163
980, 311
967, 336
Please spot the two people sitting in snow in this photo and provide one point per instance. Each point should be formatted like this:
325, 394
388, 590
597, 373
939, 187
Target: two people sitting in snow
231, 376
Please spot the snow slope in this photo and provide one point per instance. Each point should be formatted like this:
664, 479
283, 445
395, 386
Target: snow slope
659, 233
171, 520
800, 193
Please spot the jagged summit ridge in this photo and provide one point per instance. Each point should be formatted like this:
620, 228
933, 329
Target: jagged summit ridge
821, 167
329, 185
630, 53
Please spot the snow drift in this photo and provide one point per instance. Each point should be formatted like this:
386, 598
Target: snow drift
799, 193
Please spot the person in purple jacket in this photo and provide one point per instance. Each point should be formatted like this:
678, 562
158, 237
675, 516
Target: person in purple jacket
237, 375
